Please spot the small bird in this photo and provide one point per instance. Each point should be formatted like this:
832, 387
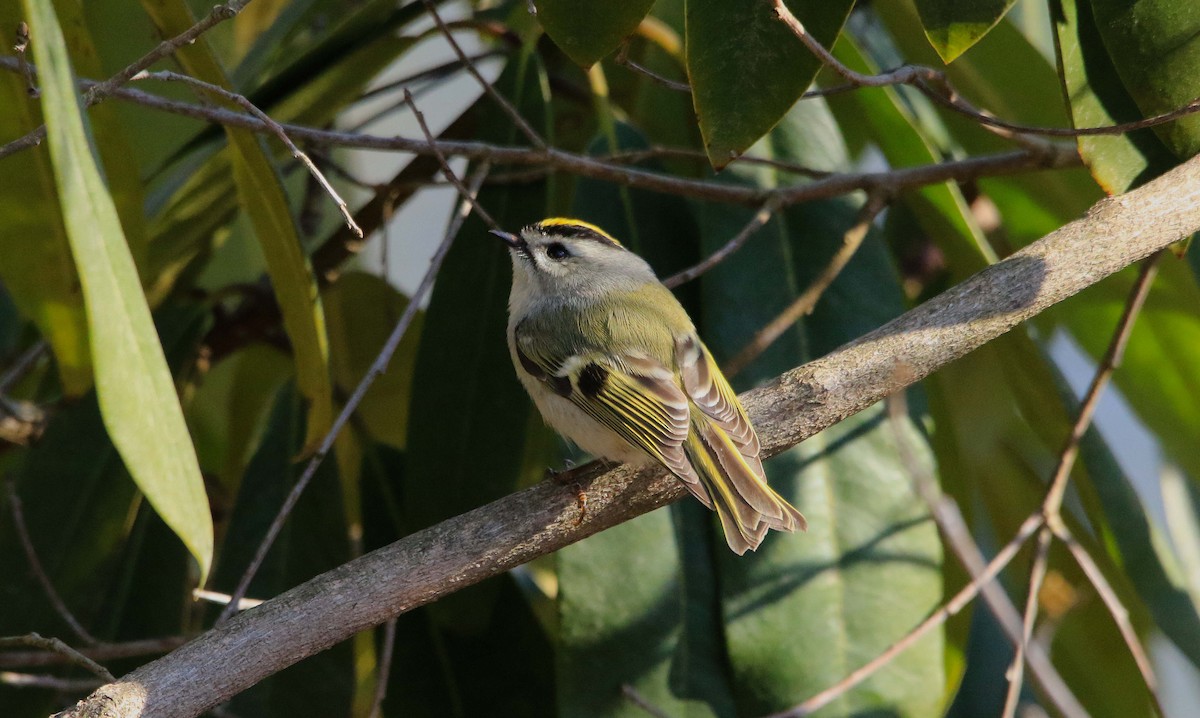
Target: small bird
613, 363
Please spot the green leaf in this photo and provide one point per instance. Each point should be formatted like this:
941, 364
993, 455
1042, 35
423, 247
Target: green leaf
747, 68
40, 275
587, 32
362, 310
136, 392
313, 540
1097, 98
261, 194
1155, 48
953, 26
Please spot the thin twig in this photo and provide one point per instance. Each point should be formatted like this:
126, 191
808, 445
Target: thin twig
467, 195
937, 618
54, 683
102, 90
515, 115
949, 519
100, 652
33, 640
384, 670
805, 303
22, 366
16, 509
635, 156
622, 58
934, 84
378, 367
275, 127
757, 222
558, 160
1118, 611
1052, 505
632, 695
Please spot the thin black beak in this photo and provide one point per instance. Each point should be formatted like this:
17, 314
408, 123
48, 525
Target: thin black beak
512, 240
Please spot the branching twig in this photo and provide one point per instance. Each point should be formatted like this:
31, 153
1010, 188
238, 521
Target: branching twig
1052, 505
934, 85
949, 519
272, 125
894, 180
16, 509
378, 367
937, 618
33, 640
101, 90
807, 300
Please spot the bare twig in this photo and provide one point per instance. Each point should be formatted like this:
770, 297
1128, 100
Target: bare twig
16, 509
635, 697
895, 180
101, 90
275, 127
100, 652
937, 618
467, 195
622, 58
757, 222
807, 300
378, 367
33, 640
54, 683
635, 156
949, 519
934, 85
22, 366
1116, 610
513, 113
383, 672
1052, 505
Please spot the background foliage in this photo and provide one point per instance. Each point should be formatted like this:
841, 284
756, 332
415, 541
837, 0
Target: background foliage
266, 322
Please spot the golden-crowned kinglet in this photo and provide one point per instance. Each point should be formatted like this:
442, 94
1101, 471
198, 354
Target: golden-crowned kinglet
613, 363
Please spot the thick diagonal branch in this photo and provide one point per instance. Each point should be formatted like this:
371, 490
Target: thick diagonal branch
491, 539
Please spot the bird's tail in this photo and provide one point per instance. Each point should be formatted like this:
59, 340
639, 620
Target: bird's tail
734, 485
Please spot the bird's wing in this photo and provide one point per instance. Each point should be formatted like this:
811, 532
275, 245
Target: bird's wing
726, 451
633, 395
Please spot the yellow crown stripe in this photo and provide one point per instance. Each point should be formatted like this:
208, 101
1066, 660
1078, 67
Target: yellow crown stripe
569, 222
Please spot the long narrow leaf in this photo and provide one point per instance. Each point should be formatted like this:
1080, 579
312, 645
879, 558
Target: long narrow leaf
136, 392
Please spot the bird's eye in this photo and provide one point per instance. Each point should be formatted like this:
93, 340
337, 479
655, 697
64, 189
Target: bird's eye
557, 251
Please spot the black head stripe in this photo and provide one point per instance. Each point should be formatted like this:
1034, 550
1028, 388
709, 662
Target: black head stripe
571, 230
